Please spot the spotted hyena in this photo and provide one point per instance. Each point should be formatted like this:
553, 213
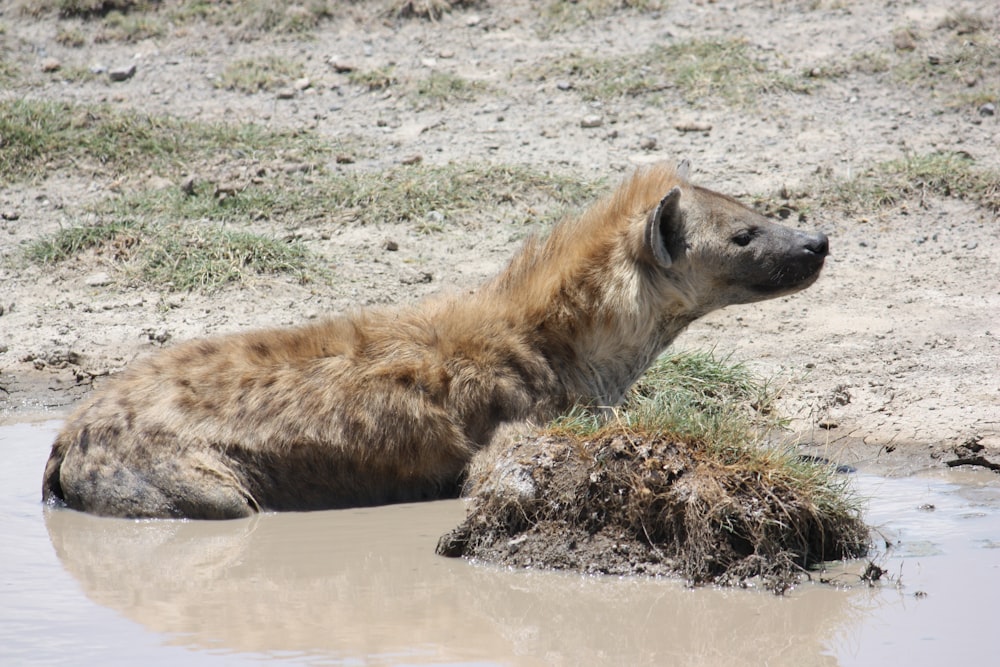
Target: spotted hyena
390, 405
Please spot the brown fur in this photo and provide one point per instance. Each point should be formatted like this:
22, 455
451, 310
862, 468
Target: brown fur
390, 405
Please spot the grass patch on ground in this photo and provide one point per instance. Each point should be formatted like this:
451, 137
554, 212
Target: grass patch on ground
443, 87
433, 197
917, 176
42, 136
130, 20
426, 9
665, 485
179, 256
258, 74
698, 69
562, 15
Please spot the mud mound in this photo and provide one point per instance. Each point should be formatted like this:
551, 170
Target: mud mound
624, 504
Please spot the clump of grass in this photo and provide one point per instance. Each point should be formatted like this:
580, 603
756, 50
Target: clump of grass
442, 87
259, 74
70, 37
119, 27
179, 256
564, 14
426, 9
961, 67
655, 491
431, 196
379, 78
916, 176
38, 136
698, 69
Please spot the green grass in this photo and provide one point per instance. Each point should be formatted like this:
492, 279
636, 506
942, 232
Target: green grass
42, 136
914, 177
259, 74
442, 87
697, 69
433, 197
692, 395
129, 20
562, 15
379, 78
178, 256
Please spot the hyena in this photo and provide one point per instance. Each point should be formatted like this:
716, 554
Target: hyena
390, 405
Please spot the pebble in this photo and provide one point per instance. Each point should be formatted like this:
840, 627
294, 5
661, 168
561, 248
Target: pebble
10, 215
342, 66
648, 143
412, 159
51, 65
122, 73
391, 245
97, 280
987, 109
562, 84
286, 94
591, 121
302, 84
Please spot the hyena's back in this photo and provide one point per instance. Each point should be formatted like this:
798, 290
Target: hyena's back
344, 413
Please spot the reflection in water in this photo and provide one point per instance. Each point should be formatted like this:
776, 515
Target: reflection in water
364, 584
363, 587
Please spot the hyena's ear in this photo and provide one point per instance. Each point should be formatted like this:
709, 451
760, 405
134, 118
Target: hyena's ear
663, 226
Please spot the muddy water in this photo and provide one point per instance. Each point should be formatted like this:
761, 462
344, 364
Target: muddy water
363, 587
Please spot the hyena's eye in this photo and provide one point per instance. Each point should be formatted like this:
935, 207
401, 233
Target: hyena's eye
743, 238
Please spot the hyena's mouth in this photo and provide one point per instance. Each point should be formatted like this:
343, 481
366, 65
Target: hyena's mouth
790, 278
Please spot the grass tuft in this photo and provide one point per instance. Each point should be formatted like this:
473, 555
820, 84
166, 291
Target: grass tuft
917, 176
41, 136
665, 485
698, 69
259, 74
179, 256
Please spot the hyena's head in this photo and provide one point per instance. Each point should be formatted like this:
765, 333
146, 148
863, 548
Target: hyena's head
720, 252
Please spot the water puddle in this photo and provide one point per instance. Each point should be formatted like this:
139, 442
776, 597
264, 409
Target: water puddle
364, 587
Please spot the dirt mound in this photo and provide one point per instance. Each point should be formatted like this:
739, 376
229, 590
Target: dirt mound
620, 503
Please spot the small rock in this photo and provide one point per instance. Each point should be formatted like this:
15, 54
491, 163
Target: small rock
122, 73
591, 121
286, 94
827, 424
10, 215
446, 54
51, 65
344, 158
302, 84
904, 40
429, 63
341, 66
934, 60
98, 68
648, 143
692, 126
412, 159
391, 245
418, 278
473, 20
97, 280
564, 85
987, 109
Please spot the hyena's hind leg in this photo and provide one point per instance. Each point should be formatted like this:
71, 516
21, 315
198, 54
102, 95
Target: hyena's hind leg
191, 482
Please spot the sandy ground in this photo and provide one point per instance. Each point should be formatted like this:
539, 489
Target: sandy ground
890, 361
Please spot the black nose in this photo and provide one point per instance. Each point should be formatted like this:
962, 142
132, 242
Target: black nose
818, 244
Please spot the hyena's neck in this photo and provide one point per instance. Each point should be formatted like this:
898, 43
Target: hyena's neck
599, 330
